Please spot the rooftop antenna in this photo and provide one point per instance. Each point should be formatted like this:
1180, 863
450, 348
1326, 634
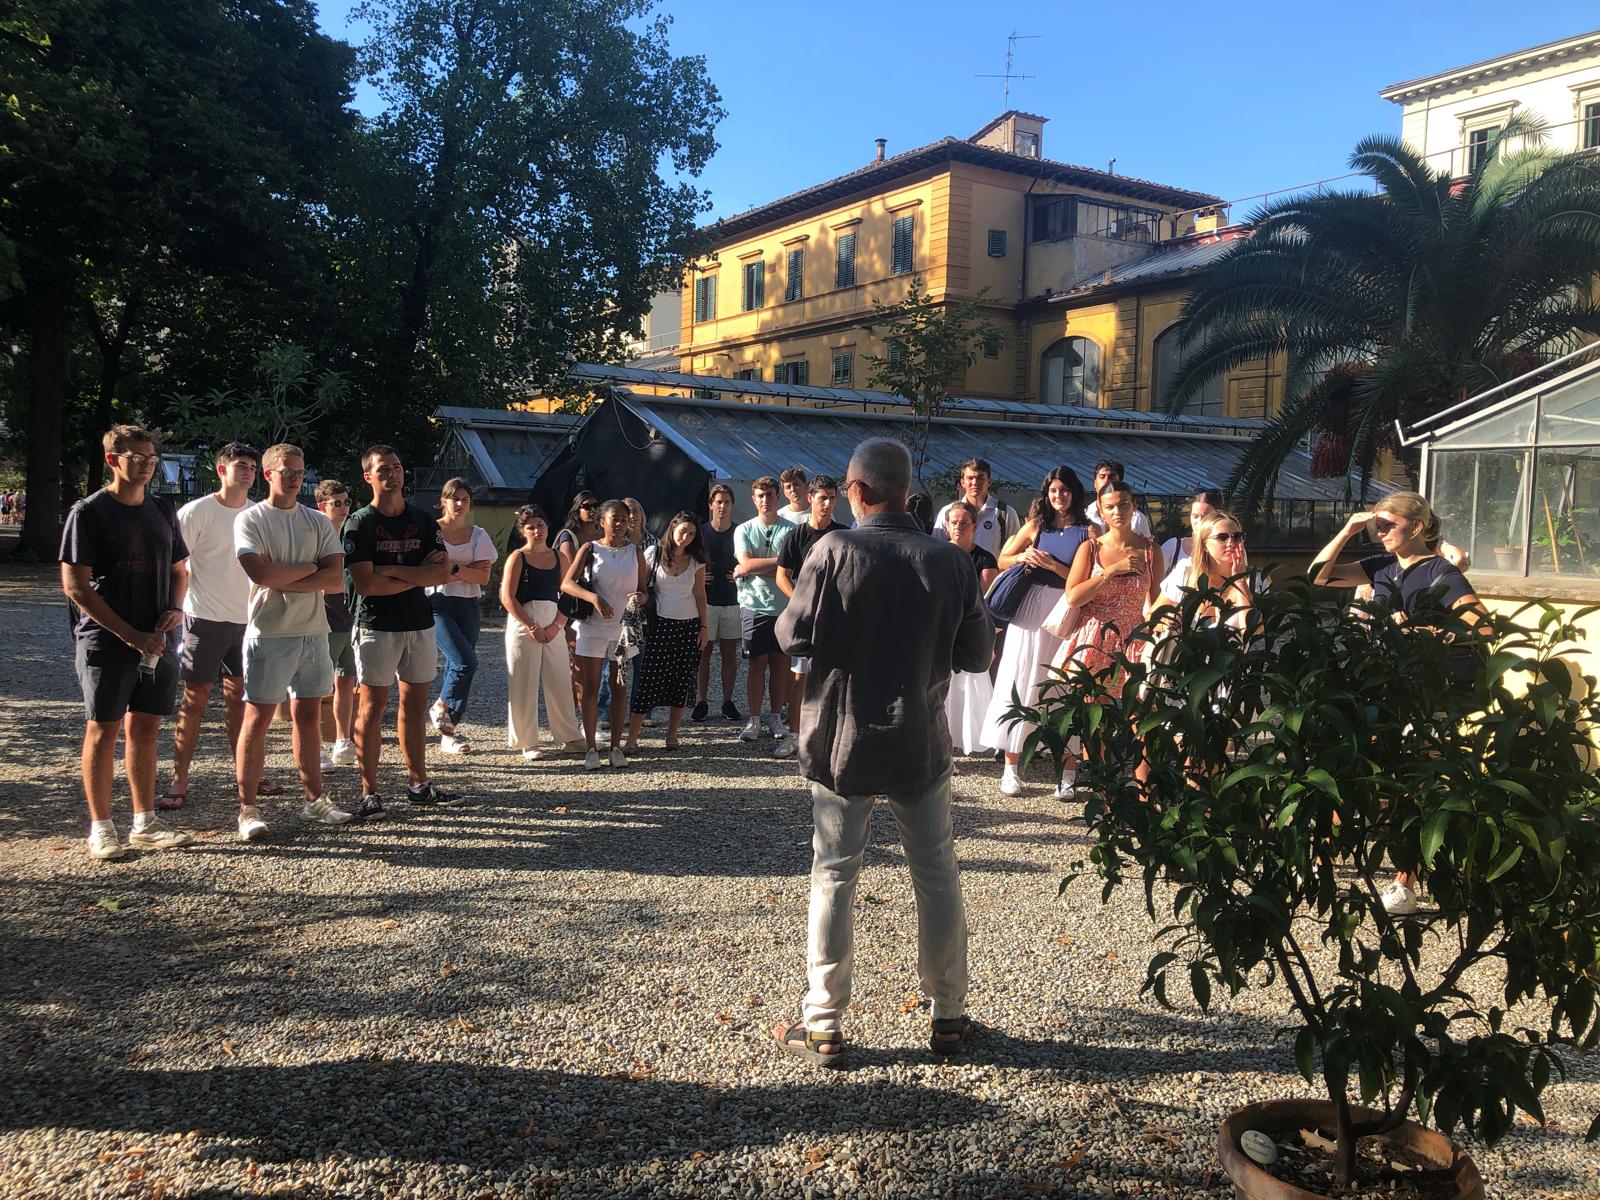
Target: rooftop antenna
1011, 51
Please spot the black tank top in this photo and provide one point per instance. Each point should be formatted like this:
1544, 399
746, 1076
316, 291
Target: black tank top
538, 583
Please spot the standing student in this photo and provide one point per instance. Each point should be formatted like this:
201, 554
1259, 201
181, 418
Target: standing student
644, 541
333, 502
1177, 551
392, 551
122, 555
457, 616
664, 671
536, 641
213, 613
756, 544
582, 526
884, 613
291, 554
723, 628
797, 493
1108, 471
791, 557
970, 691
617, 573
997, 521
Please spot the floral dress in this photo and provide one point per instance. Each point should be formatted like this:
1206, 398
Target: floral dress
1116, 610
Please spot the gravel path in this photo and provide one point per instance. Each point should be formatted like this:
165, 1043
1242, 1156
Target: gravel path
562, 989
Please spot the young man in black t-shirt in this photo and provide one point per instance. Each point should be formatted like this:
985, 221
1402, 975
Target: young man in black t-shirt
122, 559
791, 557
722, 607
392, 551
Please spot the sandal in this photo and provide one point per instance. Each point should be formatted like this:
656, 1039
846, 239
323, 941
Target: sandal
948, 1035
269, 789
804, 1043
170, 801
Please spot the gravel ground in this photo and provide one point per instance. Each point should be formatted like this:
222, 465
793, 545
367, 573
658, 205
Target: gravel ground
563, 989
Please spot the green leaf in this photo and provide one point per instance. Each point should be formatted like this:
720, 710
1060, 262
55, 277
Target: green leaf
1305, 1054
1200, 985
1594, 1131
109, 904
1433, 831
1507, 861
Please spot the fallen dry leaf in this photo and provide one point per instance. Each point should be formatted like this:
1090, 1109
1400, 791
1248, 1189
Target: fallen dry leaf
387, 923
1064, 939
227, 1048
527, 1130
1071, 1160
159, 1190
910, 1004
700, 1156
560, 810
555, 1143
811, 1168
1112, 954
445, 970
466, 1026
815, 1154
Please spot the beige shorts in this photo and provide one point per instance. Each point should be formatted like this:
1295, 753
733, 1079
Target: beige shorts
413, 655
722, 623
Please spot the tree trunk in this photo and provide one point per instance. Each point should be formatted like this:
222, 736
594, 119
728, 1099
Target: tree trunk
1344, 1152
112, 344
49, 310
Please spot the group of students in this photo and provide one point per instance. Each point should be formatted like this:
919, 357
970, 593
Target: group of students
278, 602
13, 506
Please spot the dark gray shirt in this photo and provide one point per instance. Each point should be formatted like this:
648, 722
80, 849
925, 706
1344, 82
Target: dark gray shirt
885, 613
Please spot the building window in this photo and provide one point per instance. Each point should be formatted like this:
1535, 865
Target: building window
896, 355
844, 263
755, 284
997, 243
794, 285
1069, 373
1591, 126
900, 260
1056, 218
705, 299
748, 373
991, 346
1481, 147
1169, 360
796, 370
844, 368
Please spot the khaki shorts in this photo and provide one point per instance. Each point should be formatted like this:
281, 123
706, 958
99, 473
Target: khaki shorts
382, 654
276, 668
722, 623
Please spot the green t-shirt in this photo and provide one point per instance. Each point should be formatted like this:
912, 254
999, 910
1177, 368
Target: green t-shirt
759, 593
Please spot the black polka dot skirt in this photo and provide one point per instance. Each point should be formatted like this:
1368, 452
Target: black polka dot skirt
663, 675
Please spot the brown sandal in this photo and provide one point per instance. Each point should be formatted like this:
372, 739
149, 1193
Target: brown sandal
949, 1035
805, 1043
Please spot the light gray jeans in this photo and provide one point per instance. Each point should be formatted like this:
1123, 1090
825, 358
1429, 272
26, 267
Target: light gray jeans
842, 831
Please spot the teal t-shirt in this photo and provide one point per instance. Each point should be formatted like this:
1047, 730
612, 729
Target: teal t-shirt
759, 593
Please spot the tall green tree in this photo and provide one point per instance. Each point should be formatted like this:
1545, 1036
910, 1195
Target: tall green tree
522, 196
1390, 305
143, 141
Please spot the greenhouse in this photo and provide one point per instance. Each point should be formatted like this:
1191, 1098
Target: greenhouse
1516, 479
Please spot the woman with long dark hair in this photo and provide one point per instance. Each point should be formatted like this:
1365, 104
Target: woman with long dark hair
536, 644
1047, 542
664, 672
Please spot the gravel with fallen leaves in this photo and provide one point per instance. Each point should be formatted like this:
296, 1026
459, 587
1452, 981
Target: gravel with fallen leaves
564, 988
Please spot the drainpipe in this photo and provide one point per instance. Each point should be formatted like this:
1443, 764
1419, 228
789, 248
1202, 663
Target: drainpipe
1022, 283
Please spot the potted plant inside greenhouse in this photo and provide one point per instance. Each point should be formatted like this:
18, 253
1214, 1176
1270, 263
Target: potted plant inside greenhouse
1293, 758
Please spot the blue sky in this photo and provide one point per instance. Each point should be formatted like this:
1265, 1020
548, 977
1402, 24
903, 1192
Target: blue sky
1234, 99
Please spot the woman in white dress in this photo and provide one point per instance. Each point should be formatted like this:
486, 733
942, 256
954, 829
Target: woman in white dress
970, 691
1047, 542
607, 572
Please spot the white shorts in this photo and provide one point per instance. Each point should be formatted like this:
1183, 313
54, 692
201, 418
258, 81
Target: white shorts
595, 645
276, 668
722, 623
382, 654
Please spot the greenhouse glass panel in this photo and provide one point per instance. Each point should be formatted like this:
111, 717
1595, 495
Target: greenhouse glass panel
1566, 513
1570, 413
1453, 488
1511, 426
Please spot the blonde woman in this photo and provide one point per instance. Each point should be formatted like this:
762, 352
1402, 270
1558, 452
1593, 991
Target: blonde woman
1218, 555
536, 641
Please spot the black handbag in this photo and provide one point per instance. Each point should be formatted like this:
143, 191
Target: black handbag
575, 608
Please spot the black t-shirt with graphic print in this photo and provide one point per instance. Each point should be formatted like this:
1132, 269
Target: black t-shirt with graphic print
403, 540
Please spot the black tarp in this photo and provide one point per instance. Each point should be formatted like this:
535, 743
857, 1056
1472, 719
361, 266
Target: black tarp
614, 456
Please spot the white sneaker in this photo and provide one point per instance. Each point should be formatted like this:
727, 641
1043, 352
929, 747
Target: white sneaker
753, 729
1067, 788
452, 743
1010, 784
327, 761
322, 810
1399, 900
105, 845
787, 746
343, 753
618, 758
439, 715
532, 755
775, 725
591, 761
251, 827
158, 835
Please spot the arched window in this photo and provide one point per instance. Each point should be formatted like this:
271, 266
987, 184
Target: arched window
1070, 373
1170, 357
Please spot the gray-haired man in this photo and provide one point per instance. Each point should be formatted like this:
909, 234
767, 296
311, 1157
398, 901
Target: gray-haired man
885, 613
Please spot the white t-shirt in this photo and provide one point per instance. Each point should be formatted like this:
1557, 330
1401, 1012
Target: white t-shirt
219, 590
795, 518
294, 535
477, 548
675, 593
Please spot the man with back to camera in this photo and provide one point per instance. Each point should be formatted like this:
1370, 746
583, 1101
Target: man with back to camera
392, 550
1109, 470
122, 556
722, 606
214, 614
755, 545
791, 557
291, 554
997, 521
885, 613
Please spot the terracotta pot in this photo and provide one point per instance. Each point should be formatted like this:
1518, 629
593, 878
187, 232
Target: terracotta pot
1507, 558
1278, 1117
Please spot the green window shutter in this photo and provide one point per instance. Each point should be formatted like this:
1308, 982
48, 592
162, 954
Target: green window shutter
844, 362
794, 286
844, 272
755, 280
904, 228
897, 355
997, 243
802, 374
699, 300
711, 298
761, 282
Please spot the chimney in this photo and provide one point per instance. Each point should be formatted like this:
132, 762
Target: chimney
880, 143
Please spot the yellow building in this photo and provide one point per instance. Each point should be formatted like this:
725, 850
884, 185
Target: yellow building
1084, 270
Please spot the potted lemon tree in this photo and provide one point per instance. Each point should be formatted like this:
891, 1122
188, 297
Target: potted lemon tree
1294, 757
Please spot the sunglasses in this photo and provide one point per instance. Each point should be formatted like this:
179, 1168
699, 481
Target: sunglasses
1228, 539
139, 460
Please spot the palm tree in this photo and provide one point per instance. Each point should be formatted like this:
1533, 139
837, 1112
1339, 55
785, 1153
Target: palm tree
1388, 306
